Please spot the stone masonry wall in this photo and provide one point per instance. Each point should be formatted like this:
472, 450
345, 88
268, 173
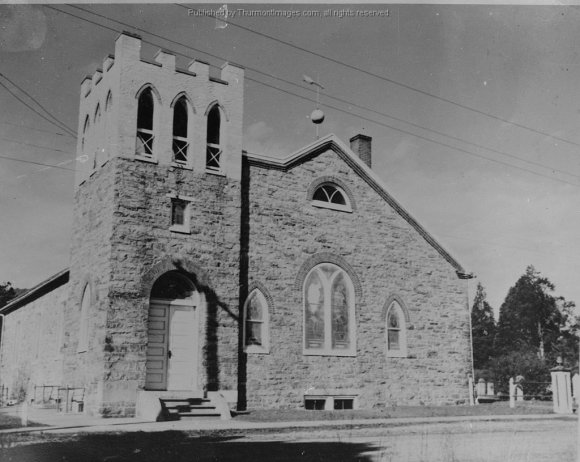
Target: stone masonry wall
31, 345
141, 241
390, 258
90, 266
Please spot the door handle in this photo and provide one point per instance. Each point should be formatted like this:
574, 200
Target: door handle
169, 354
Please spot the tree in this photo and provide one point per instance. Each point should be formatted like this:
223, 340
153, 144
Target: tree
7, 293
482, 329
531, 318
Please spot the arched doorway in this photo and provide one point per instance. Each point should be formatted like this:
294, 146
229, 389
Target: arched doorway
172, 348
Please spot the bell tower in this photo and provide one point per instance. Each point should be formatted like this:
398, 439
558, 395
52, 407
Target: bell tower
159, 165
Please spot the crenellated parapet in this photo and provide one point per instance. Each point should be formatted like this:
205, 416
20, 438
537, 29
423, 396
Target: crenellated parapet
156, 112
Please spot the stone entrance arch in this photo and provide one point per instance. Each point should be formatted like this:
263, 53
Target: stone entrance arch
173, 332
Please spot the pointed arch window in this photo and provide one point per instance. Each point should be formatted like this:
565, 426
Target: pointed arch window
86, 127
84, 320
331, 196
256, 320
329, 316
108, 101
214, 150
145, 136
180, 141
396, 330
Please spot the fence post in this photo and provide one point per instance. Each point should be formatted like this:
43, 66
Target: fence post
471, 390
512, 393
561, 389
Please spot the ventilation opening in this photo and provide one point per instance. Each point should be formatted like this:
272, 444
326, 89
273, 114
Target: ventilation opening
340, 404
314, 404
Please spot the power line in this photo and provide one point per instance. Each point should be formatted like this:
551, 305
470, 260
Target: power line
419, 136
37, 163
326, 105
35, 145
28, 127
382, 77
30, 107
329, 96
64, 126
350, 103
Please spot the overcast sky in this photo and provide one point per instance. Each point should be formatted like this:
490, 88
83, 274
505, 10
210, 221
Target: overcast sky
500, 83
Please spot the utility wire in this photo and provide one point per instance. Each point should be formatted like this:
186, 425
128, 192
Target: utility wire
308, 99
28, 127
35, 145
37, 163
341, 100
301, 87
31, 108
382, 77
62, 124
420, 136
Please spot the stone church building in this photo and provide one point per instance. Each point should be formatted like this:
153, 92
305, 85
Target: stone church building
196, 267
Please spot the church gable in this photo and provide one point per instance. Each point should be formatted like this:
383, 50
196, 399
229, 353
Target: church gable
334, 170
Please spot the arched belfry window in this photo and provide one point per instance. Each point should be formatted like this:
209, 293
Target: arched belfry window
109, 101
86, 127
256, 320
329, 316
145, 136
396, 329
83, 329
214, 150
180, 141
332, 196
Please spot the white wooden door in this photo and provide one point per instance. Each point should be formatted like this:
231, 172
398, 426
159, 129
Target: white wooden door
182, 352
171, 351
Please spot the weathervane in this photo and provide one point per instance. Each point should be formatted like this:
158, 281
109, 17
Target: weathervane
317, 115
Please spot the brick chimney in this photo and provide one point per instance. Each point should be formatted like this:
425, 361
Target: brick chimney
361, 146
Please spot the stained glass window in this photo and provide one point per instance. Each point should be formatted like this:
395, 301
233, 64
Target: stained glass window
328, 311
172, 286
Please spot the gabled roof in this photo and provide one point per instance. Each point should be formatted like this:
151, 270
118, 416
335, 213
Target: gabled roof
37, 291
333, 143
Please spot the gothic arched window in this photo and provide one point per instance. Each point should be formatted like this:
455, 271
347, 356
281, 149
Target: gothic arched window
329, 318
83, 329
180, 141
214, 150
396, 329
256, 320
145, 135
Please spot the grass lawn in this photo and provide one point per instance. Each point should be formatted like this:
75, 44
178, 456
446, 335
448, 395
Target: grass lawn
498, 408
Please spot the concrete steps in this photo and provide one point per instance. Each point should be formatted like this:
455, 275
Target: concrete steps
188, 408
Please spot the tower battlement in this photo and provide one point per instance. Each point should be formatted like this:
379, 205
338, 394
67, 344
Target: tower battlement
155, 112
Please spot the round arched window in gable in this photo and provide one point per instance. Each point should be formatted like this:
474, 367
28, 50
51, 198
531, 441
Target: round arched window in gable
331, 196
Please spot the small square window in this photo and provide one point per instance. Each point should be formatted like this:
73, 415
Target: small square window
180, 216
314, 404
341, 404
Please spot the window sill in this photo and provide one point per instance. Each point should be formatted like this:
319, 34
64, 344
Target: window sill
181, 166
331, 206
179, 229
397, 354
349, 353
254, 349
215, 172
150, 160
